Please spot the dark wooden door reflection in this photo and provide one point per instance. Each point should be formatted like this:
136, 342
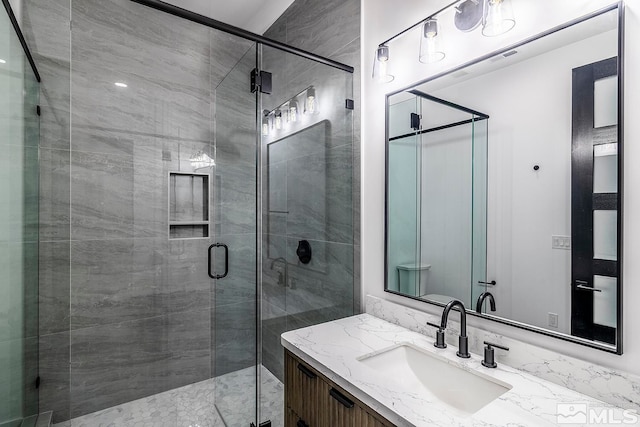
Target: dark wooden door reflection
595, 202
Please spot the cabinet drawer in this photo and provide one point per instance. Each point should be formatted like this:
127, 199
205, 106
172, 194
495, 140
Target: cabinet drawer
341, 408
293, 420
305, 390
363, 418
312, 400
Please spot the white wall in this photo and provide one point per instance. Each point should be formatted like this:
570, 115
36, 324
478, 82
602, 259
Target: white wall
382, 19
526, 208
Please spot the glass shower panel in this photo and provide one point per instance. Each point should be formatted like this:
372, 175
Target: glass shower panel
307, 208
140, 168
235, 218
480, 138
19, 139
447, 179
403, 199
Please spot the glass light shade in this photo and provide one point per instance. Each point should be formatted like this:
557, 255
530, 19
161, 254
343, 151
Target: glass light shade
498, 18
430, 43
311, 102
278, 119
265, 127
380, 65
293, 111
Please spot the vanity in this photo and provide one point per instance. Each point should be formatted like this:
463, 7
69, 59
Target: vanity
365, 371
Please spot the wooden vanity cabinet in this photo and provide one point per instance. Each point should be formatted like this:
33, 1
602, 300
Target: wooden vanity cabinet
312, 400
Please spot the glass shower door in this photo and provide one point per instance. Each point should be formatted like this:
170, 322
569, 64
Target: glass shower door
19, 139
235, 219
307, 209
404, 272
298, 138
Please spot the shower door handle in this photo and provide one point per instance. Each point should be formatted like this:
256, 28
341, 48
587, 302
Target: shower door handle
226, 261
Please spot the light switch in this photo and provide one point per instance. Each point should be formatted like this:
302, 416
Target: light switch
561, 242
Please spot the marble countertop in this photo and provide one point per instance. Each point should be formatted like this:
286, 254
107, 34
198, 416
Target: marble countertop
334, 347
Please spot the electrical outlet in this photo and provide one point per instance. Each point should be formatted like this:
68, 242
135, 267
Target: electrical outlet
561, 242
553, 320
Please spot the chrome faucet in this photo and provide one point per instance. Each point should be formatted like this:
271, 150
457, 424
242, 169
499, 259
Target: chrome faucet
463, 340
482, 297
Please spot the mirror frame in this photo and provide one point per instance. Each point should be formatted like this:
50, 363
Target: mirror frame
617, 349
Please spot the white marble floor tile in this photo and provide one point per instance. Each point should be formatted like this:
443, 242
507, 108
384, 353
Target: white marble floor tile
232, 395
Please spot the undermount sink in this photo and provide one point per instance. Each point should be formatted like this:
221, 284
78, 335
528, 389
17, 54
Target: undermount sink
427, 374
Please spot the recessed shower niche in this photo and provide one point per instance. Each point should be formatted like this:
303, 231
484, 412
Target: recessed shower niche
188, 205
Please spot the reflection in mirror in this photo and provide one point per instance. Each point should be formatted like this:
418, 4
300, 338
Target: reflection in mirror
503, 177
439, 172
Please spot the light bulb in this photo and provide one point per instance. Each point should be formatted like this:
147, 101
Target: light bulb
293, 111
278, 119
429, 43
380, 65
499, 18
311, 102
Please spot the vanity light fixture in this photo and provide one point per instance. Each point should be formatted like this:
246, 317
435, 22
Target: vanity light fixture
469, 15
380, 64
498, 18
201, 160
430, 42
282, 116
288, 112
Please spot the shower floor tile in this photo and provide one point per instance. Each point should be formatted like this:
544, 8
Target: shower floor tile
194, 406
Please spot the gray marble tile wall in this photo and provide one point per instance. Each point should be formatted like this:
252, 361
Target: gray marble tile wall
309, 174
124, 311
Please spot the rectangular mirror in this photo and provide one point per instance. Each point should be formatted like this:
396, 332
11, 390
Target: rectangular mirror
504, 183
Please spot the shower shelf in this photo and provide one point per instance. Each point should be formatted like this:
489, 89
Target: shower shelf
188, 223
188, 205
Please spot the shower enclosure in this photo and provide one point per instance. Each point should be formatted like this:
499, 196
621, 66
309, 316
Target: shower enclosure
19, 131
165, 279
436, 198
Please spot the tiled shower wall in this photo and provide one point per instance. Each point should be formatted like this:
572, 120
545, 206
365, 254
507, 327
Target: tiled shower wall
124, 311
315, 176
